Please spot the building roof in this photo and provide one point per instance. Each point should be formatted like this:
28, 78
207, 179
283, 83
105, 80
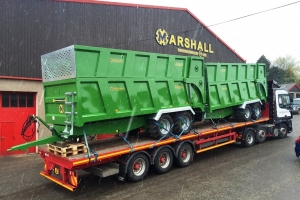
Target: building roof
154, 7
290, 86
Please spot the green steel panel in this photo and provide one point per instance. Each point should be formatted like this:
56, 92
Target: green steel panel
144, 95
162, 66
179, 68
164, 94
91, 99
86, 63
181, 93
140, 66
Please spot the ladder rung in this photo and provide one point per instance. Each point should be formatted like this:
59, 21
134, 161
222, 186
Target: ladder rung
66, 132
68, 123
68, 113
70, 93
68, 103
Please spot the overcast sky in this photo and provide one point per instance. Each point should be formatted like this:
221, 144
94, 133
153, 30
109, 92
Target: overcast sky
275, 33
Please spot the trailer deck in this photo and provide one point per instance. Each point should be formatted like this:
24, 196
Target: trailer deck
205, 136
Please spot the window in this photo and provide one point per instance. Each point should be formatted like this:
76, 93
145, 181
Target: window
17, 100
284, 100
5, 100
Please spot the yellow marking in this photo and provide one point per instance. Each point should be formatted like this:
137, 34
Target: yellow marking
73, 179
213, 147
61, 108
58, 182
116, 60
116, 88
178, 64
179, 87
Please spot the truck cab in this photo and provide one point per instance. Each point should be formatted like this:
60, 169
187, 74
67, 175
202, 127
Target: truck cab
283, 103
280, 107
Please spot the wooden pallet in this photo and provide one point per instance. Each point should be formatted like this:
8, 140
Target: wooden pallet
69, 149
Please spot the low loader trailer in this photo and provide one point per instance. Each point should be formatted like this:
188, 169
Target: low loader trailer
162, 109
131, 159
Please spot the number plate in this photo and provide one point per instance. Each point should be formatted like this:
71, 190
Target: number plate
56, 170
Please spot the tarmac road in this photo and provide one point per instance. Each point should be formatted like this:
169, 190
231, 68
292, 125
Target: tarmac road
264, 171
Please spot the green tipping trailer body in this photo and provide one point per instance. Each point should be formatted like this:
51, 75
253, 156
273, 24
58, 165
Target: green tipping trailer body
118, 90
92, 90
234, 85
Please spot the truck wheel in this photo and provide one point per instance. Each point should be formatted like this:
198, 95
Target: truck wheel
282, 133
156, 131
185, 155
261, 134
138, 167
243, 114
249, 137
255, 111
183, 121
163, 160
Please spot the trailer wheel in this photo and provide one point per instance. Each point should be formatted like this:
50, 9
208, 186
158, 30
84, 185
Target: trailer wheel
282, 133
183, 121
261, 134
243, 114
138, 167
255, 111
162, 128
163, 160
249, 137
185, 155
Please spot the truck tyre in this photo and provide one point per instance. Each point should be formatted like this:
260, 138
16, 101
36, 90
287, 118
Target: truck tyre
282, 133
138, 167
255, 111
183, 121
261, 134
243, 115
161, 128
249, 137
163, 160
185, 155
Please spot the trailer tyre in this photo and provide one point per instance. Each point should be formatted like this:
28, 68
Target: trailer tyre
243, 114
183, 121
138, 167
261, 134
185, 155
249, 137
282, 133
162, 128
255, 111
163, 160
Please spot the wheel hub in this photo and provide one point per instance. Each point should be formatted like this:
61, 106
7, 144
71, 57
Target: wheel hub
162, 160
184, 154
136, 166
